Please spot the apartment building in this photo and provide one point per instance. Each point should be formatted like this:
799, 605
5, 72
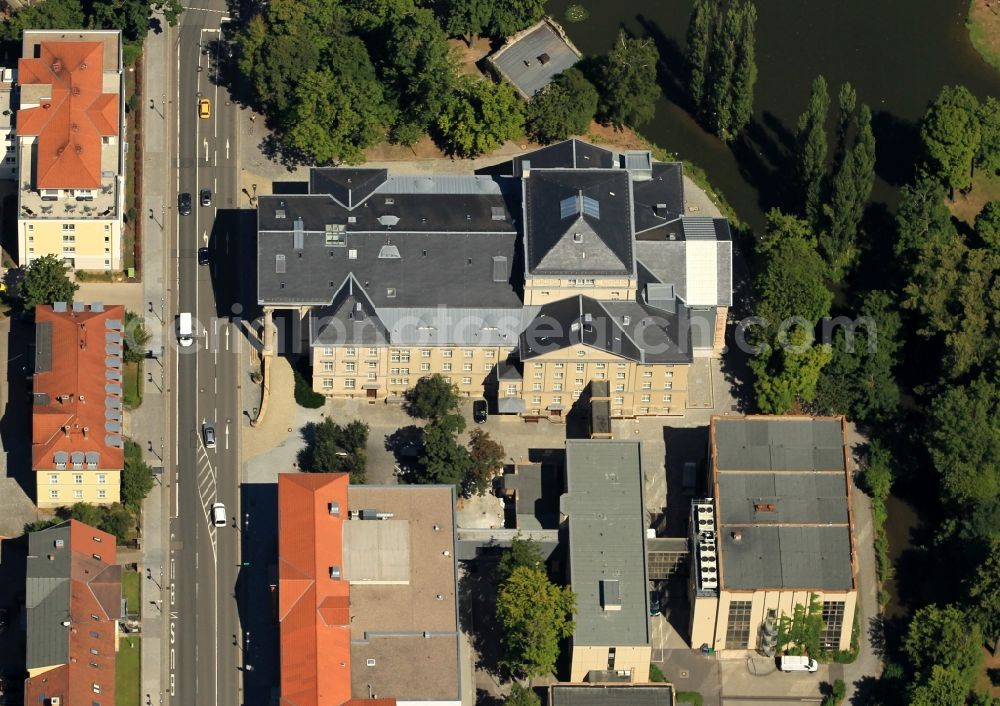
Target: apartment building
8, 165
73, 601
77, 447
368, 594
567, 265
70, 148
778, 530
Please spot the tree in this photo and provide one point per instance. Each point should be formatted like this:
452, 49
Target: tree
943, 637
837, 693
859, 380
171, 10
701, 26
535, 615
522, 696
508, 17
847, 100
744, 70
130, 16
628, 85
563, 108
789, 373
46, 281
136, 337
811, 150
522, 552
967, 456
789, 281
922, 220
988, 225
951, 135
988, 157
717, 111
480, 117
466, 18
800, 632
113, 519
51, 14
985, 594
137, 477
432, 397
338, 449
485, 459
944, 685
442, 459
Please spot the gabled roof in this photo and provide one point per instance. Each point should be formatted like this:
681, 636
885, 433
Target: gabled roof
313, 605
568, 154
578, 221
350, 318
74, 118
348, 186
72, 577
77, 411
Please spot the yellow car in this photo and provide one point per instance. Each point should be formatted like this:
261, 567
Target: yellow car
204, 109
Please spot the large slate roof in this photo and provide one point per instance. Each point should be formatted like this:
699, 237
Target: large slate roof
568, 154
578, 221
607, 535
783, 484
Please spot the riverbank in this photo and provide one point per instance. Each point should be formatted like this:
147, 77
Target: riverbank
984, 29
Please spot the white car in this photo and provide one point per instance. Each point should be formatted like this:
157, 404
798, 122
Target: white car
219, 515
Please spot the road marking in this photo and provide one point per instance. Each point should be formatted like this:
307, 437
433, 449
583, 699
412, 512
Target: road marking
227, 148
206, 149
227, 436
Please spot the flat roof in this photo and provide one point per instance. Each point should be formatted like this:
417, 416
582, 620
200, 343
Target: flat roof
607, 535
377, 551
534, 57
782, 494
409, 629
612, 695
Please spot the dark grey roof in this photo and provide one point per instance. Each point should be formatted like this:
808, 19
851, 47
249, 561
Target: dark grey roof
649, 336
568, 154
578, 221
349, 319
661, 199
47, 597
538, 487
782, 483
663, 253
612, 695
607, 535
535, 58
43, 346
349, 186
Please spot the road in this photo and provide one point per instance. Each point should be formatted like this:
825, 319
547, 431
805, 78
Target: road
207, 644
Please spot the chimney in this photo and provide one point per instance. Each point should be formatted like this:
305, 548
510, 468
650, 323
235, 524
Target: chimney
737, 535
85, 432
66, 430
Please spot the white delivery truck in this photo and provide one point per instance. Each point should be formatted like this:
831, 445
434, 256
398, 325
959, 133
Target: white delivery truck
796, 663
185, 330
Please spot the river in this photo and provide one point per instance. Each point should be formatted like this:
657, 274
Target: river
896, 54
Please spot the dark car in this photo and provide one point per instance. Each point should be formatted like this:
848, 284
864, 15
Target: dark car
184, 204
208, 431
479, 411
654, 603
204, 256
206, 197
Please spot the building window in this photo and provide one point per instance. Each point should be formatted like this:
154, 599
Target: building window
102, 478
601, 366
669, 373
557, 387
647, 374
327, 366
349, 383
487, 367
467, 367
578, 381
580, 354
557, 399
54, 479
558, 376
576, 395
537, 366
538, 376
644, 410
600, 376
619, 388
447, 378
350, 367
373, 376
645, 398
536, 387
328, 352
490, 355
373, 352
833, 624
666, 398
537, 399
466, 381
400, 356
511, 390
68, 227
373, 365
78, 478
425, 367
327, 383
467, 353
425, 353
446, 367
69, 238
102, 495
621, 366
668, 386
78, 495
647, 386
619, 400
350, 352
446, 353
580, 367
54, 494
738, 626
620, 376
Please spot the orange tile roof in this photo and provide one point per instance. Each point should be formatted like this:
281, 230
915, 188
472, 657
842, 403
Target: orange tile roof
77, 115
314, 609
95, 590
78, 375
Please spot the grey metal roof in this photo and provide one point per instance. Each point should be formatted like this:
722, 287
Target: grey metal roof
604, 502
782, 482
578, 240
612, 695
43, 346
520, 62
455, 325
47, 597
538, 487
466, 184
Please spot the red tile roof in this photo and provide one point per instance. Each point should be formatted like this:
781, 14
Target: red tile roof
94, 609
313, 608
77, 115
76, 374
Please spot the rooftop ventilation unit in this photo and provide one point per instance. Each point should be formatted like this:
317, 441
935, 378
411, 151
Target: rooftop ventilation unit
335, 573
298, 234
334, 508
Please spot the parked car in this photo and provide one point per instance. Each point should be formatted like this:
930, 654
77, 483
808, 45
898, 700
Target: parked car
206, 197
219, 515
208, 432
654, 603
184, 204
204, 256
479, 411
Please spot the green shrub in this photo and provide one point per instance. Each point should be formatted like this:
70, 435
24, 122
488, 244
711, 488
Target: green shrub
690, 697
656, 674
305, 396
836, 695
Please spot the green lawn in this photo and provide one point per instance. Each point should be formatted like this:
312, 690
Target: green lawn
127, 685
133, 384
130, 590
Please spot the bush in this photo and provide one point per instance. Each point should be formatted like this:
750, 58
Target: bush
836, 695
305, 396
690, 697
656, 674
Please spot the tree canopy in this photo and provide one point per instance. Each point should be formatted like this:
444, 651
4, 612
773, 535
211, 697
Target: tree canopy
432, 397
952, 134
563, 108
629, 89
522, 552
485, 461
479, 117
943, 638
812, 147
442, 459
535, 615
522, 696
334, 448
137, 477
46, 280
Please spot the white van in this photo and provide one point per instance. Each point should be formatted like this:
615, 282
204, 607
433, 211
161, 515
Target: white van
185, 330
219, 515
795, 663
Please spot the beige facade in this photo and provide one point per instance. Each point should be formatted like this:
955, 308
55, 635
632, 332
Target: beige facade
84, 244
733, 620
626, 660
59, 488
542, 290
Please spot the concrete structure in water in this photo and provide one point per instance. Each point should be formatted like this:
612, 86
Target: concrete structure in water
778, 532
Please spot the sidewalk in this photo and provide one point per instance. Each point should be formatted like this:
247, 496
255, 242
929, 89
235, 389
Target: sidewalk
148, 424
